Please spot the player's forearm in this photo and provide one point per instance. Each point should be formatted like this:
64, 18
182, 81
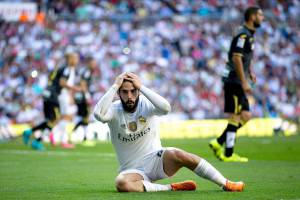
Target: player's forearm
250, 68
103, 105
158, 101
238, 64
63, 83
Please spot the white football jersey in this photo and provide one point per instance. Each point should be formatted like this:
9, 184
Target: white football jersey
134, 135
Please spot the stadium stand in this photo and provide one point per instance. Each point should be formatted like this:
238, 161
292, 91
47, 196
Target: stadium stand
178, 48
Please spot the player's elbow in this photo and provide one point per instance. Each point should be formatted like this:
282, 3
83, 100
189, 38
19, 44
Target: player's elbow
167, 108
99, 117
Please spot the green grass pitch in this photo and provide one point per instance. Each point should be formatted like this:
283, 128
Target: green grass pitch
273, 171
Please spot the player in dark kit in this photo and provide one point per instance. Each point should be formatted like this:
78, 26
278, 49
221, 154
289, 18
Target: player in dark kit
57, 80
236, 85
82, 98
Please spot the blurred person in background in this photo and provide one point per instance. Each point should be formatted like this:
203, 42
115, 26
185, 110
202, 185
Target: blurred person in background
83, 98
66, 101
237, 86
58, 79
182, 70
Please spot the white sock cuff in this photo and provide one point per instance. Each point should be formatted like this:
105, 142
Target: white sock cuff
153, 187
147, 186
200, 169
230, 139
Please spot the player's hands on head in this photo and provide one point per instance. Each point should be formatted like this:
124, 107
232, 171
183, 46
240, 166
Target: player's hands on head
136, 81
119, 80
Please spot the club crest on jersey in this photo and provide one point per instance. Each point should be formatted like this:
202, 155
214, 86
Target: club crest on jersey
132, 126
241, 42
142, 120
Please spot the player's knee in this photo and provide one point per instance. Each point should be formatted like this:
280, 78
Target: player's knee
180, 156
235, 118
246, 116
122, 184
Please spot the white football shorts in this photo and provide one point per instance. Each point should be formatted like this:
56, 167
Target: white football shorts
67, 107
151, 166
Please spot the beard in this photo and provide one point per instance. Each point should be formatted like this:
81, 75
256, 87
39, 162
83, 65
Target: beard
128, 107
256, 24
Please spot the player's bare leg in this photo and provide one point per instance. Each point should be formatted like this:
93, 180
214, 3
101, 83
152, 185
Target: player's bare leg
235, 121
132, 182
174, 159
227, 138
245, 117
65, 120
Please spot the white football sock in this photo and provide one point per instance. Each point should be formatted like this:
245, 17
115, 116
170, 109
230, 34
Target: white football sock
85, 132
207, 171
153, 187
230, 139
63, 131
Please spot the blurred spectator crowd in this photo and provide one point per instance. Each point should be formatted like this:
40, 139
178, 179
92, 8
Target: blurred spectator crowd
178, 48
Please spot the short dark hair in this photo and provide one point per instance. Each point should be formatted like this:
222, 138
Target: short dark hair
125, 80
250, 11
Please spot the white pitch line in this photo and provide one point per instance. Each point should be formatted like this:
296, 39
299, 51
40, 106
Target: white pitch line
55, 153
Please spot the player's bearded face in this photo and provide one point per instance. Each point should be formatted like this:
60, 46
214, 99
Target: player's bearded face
130, 105
258, 19
256, 24
129, 96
